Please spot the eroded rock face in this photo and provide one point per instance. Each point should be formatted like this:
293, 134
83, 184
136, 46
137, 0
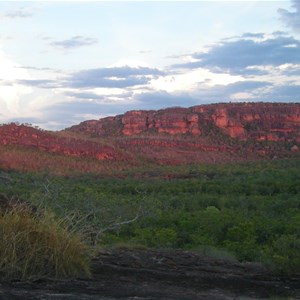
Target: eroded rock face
230, 125
176, 121
255, 121
135, 122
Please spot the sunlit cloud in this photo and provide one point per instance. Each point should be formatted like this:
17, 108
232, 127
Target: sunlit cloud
10, 91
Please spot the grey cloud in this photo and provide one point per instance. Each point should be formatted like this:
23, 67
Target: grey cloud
81, 96
118, 77
253, 72
6, 38
28, 120
68, 114
14, 14
292, 19
145, 51
7, 82
244, 86
72, 108
119, 72
40, 83
161, 99
292, 72
108, 83
287, 93
219, 93
284, 93
234, 56
223, 93
279, 33
36, 68
65, 114
252, 35
74, 42
84, 95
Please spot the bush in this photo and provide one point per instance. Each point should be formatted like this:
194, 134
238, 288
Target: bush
285, 254
38, 246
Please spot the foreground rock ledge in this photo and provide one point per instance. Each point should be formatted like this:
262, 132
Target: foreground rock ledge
153, 274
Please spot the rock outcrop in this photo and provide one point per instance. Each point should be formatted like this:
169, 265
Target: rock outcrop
244, 121
172, 121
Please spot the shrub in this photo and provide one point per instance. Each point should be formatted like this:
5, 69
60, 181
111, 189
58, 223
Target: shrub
38, 246
284, 254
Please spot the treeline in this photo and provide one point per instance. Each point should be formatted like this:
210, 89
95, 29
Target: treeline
251, 210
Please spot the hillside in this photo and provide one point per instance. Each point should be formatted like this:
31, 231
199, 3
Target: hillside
174, 136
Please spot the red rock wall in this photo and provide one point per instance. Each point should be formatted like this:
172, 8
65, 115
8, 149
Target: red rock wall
259, 121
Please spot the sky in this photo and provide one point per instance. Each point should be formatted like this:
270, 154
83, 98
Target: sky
63, 62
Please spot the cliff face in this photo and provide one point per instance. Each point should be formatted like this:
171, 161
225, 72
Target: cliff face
170, 121
244, 121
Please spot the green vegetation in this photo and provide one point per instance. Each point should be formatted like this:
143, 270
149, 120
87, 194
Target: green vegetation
250, 211
33, 246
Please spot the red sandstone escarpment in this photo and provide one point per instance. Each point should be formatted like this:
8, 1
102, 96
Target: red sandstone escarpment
175, 121
25, 136
204, 133
172, 121
243, 121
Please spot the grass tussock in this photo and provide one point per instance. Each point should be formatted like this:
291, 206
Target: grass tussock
39, 246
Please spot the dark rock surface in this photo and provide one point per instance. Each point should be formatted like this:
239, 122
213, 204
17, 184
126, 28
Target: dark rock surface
148, 274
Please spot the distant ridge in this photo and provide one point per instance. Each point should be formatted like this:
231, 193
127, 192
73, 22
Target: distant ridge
215, 133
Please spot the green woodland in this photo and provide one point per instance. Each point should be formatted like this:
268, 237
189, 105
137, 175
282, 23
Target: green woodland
247, 212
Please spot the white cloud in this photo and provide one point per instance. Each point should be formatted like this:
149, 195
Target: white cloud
132, 63
190, 80
90, 116
241, 96
11, 92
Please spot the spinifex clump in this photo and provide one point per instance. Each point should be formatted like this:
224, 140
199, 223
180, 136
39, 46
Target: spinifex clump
39, 246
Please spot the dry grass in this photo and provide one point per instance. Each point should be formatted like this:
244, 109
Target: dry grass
33, 246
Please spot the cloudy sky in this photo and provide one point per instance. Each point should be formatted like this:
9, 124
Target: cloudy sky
65, 62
